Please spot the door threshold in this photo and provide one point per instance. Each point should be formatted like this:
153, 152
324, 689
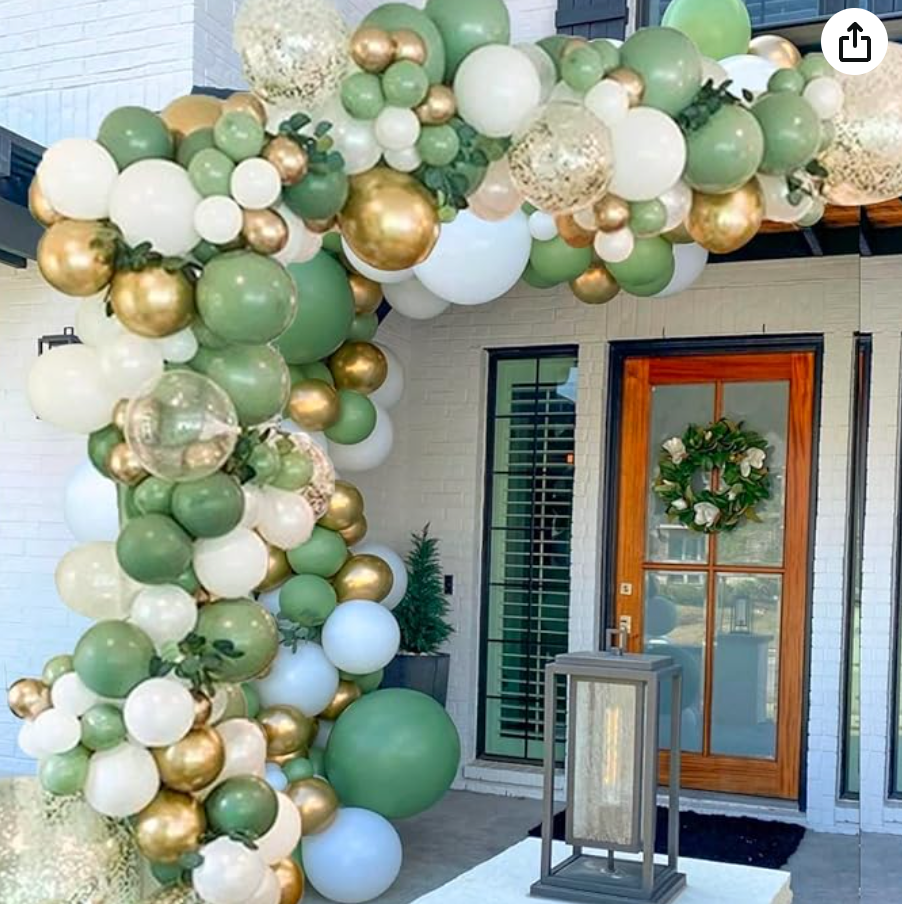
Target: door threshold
720, 804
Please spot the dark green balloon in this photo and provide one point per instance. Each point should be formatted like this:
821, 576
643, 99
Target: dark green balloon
209, 507
239, 135
790, 80
356, 418
466, 25
113, 657
332, 243
556, 261
792, 132
532, 278
55, 668
394, 751
298, 769
167, 873
211, 171
438, 145
318, 196
647, 217
405, 84
669, 64
325, 310
125, 496
582, 68
724, 153
153, 496
252, 699
153, 549
364, 328
65, 773
648, 270
307, 600
249, 627
295, 471
134, 133
101, 443
323, 554
246, 804
361, 95
255, 377
199, 140
102, 727
396, 16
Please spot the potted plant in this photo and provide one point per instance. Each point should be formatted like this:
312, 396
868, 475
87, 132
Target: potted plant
422, 616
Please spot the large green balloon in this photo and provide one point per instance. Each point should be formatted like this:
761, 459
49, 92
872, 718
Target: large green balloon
209, 507
323, 554
725, 152
249, 627
396, 16
792, 132
555, 261
466, 25
153, 549
356, 418
255, 377
532, 278
307, 600
394, 751
719, 28
325, 310
134, 133
245, 804
65, 773
113, 657
670, 65
648, 269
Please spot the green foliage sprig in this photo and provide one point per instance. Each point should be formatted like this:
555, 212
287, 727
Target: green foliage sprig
707, 102
142, 257
292, 635
320, 146
196, 660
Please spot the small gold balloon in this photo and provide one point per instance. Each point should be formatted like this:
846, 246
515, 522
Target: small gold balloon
611, 213
631, 81
245, 102
724, 223
278, 570
356, 532
372, 49
124, 466
192, 763
288, 731
187, 114
348, 692
409, 46
321, 227
317, 802
28, 698
595, 286
76, 256
170, 826
40, 207
119, 411
359, 366
390, 219
363, 577
367, 293
265, 231
439, 106
288, 157
203, 709
204, 597
572, 233
152, 302
345, 507
291, 880
313, 405
203, 455
782, 53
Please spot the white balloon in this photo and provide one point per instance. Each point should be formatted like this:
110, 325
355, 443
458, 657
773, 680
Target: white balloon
121, 782
374, 273
542, 226
544, 66
405, 160
154, 201
232, 565
563, 93
77, 176
302, 243
253, 503
369, 454
283, 837
396, 128
826, 96
712, 71
586, 219
268, 892
677, 202
398, 570
356, 859
649, 154
92, 323
66, 388
230, 873
305, 679
159, 712
130, 363
777, 206
609, 101
615, 247
72, 696
165, 612
56, 731
218, 219
748, 72
90, 506
245, 749
90, 581
355, 140
180, 347
270, 601
286, 519
412, 299
28, 742
476, 261
361, 637
690, 262
497, 87
256, 184
392, 390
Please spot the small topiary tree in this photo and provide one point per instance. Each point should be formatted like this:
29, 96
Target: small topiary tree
422, 614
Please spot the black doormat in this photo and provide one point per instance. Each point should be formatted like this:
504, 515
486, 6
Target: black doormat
724, 839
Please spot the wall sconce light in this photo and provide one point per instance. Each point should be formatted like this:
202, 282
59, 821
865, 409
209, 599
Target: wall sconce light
66, 337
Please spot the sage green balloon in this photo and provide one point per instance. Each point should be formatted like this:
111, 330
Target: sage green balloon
255, 377
361, 95
199, 140
265, 462
167, 873
100, 444
249, 627
134, 133
405, 84
209, 507
790, 80
582, 68
317, 758
205, 251
332, 243
647, 217
792, 132
295, 471
239, 135
815, 65
466, 25
113, 657
102, 727
323, 554
356, 419
532, 278
363, 328
125, 496
724, 153
317, 370
56, 667
555, 261
318, 196
153, 496
397, 16
719, 28
648, 270
670, 66
245, 804
554, 46
206, 338
366, 683
210, 171
325, 310
438, 145
153, 549
307, 600
298, 769
188, 581
251, 699
65, 773
607, 52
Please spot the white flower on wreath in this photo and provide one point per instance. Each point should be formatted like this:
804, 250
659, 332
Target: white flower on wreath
679, 505
752, 460
706, 514
676, 449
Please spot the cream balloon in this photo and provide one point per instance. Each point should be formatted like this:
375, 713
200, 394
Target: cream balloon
748, 72
826, 96
90, 582
615, 247
56, 731
677, 202
90, 506
542, 226
392, 390
412, 299
369, 454
93, 325
159, 712
218, 220
230, 873
130, 363
305, 679
609, 101
396, 128
545, 67
281, 840
245, 749
397, 566
256, 184
122, 781
497, 197
178, 348
713, 72
253, 502
77, 177
286, 519
72, 696
649, 155
361, 637
232, 565
303, 245
355, 140
405, 160
269, 891
166, 613
777, 204
385, 277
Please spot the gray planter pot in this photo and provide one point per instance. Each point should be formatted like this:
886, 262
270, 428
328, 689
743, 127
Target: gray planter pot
426, 674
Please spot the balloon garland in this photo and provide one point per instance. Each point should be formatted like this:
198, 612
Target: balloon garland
230, 257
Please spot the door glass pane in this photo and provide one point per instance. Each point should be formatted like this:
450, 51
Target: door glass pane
763, 408
746, 665
674, 625
673, 408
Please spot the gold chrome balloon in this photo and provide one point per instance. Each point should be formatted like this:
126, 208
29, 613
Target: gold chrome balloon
595, 286
278, 571
203, 709
28, 698
359, 366
321, 227
631, 81
348, 692
611, 213
345, 507
409, 46
372, 49
439, 106
572, 233
124, 466
356, 532
317, 802
291, 880
265, 231
40, 207
390, 219
120, 409
288, 157
363, 577
245, 102
288, 731
187, 114
193, 763
76, 256
153, 302
724, 223
170, 826
782, 53
367, 293
313, 405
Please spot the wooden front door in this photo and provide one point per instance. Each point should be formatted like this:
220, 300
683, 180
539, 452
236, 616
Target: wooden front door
730, 608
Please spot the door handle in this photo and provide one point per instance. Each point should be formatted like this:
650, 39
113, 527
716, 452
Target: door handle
618, 638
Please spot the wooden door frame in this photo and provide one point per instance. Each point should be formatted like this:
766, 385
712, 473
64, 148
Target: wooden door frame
620, 352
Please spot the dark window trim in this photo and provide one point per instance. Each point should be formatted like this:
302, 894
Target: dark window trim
893, 773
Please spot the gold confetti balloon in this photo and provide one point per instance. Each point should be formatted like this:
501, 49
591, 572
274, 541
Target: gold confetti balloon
175, 894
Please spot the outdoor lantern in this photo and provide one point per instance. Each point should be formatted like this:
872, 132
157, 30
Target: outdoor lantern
611, 765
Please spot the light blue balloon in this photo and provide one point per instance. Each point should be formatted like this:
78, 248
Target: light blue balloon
276, 777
